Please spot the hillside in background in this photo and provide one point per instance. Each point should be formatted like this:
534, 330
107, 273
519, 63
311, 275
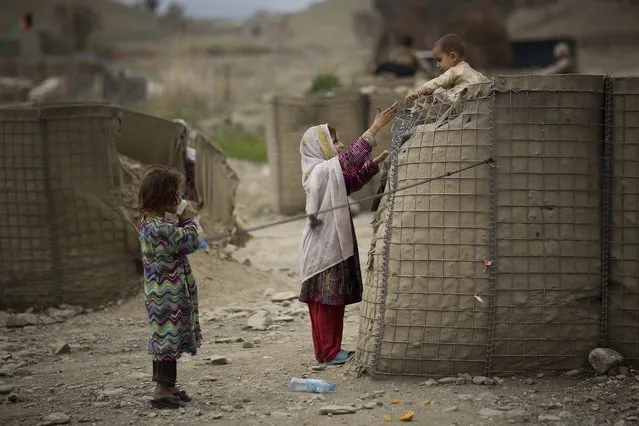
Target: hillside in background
119, 22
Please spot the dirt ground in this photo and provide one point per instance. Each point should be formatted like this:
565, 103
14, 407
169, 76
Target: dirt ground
103, 377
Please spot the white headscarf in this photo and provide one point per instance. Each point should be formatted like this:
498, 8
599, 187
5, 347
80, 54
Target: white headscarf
331, 241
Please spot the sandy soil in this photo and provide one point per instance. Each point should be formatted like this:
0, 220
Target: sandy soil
105, 376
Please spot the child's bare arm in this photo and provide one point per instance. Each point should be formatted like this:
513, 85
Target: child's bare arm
447, 80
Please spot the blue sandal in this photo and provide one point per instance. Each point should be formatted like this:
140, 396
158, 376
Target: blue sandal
341, 357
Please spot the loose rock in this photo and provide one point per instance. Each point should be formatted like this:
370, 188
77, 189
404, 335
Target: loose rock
548, 418
284, 297
260, 321
22, 320
218, 360
62, 348
481, 380
603, 359
248, 345
336, 410
573, 373
448, 380
489, 412
56, 419
6, 389
431, 382
450, 409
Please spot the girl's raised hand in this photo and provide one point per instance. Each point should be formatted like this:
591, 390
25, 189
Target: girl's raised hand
383, 118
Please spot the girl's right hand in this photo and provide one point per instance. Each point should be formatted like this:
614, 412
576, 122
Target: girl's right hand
383, 118
381, 157
188, 213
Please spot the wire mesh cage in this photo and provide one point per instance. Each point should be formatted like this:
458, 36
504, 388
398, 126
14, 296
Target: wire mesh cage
64, 238
496, 269
622, 293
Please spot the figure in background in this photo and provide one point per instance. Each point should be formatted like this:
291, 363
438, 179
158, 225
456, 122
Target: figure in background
564, 63
402, 61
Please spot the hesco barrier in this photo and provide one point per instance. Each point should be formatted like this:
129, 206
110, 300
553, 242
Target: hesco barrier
503, 269
623, 280
68, 229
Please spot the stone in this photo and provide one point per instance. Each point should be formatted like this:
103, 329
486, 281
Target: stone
448, 380
603, 359
4, 317
283, 319
218, 360
222, 340
280, 415
572, 373
622, 370
337, 410
56, 419
530, 382
22, 320
548, 418
248, 345
482, 380
431, 382
6, 389
370, 406
489, 412
259, 321
498, 381
216, 416
12, 398
62, 348
284, 297
450, 409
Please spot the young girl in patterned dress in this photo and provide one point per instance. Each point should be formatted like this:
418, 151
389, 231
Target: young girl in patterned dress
169, 287
330, 271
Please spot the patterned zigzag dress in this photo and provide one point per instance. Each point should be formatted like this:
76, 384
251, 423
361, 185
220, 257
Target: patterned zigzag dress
169, 287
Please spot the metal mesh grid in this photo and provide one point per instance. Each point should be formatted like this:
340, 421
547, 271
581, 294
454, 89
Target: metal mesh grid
525, 237
421, 311
64, 238
287, 120
548, 136
623, 285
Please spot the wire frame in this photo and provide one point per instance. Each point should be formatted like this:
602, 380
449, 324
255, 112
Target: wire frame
498, 269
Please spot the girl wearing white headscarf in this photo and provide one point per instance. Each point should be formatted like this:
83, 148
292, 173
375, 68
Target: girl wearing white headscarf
330, 272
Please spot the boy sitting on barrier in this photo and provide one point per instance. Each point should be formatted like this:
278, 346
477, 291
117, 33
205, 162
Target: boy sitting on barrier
457, 74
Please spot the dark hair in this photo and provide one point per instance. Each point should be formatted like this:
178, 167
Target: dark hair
407, 41
332, 131
452, 43
158, 188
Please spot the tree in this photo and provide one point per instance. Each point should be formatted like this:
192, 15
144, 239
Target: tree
78, 23
151, 5
175, 17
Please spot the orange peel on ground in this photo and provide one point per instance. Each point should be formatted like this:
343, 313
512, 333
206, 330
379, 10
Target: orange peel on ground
408, 417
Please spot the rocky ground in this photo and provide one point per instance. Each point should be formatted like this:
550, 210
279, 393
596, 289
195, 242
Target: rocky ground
74, 366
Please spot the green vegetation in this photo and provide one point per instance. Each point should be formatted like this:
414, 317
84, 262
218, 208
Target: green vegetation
323, 83
239, 144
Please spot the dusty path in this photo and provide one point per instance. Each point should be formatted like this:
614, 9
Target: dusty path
105, 377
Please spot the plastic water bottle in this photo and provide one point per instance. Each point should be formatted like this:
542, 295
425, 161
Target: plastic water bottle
311, 385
